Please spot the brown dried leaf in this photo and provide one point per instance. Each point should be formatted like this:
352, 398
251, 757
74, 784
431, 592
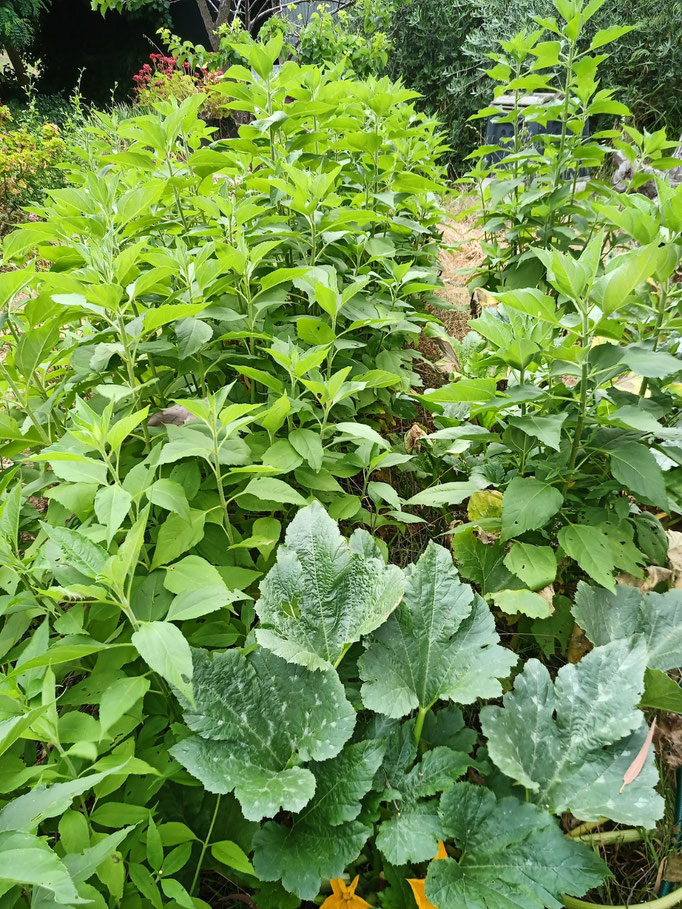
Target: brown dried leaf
655, 575
578, 645
176, 414
413, 438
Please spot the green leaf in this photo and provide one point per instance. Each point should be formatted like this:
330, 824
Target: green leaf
546, 429
170, 495
635, 466
309, 445
35, 347
228, 853
256, 720
448, 493
120, 431
528, 504
79, 551
28, 811
654, 364
327, 836
481, 563
112, 504
177, 535
514, 856
314, 331
171, 312
269, 489
474, 391
27, 860
524, 602
590, 548
118, 698
362, 431
661, 692
76, 469
192, 335
570, 742
412, 830
628, 614
607, 35
192, 604
12, 728
164, 649
191, 573
439, 644
324, 592
535, 565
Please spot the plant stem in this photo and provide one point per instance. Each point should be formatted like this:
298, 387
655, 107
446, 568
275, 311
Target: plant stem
665, 902
204, 845
580, 425
586, 827
610, 837
660, 315
419, 725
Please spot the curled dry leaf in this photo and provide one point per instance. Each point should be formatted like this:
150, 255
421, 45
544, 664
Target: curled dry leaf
637, 765
578, 645
655, 575
675, 556
547, 593
176, 414
413, 438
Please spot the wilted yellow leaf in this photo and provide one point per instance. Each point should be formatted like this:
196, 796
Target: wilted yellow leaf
486, 503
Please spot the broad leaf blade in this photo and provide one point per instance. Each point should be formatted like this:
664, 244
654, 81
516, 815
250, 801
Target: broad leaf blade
570, 742
439, 644
256, 720
513, 855
324, 593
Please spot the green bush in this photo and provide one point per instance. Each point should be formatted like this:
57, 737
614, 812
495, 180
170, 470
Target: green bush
441, 50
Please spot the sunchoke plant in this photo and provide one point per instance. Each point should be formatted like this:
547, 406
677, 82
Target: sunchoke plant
564, 400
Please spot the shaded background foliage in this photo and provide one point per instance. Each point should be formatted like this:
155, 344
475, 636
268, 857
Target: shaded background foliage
437, 47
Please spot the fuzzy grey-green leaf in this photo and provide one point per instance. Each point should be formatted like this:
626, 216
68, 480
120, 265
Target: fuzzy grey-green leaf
569, 742
440, 643
257, 719
324, 592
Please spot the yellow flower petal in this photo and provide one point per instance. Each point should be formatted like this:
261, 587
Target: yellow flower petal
418, 886
344, 896
419, 894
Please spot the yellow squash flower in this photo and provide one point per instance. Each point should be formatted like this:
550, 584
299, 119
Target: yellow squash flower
344, 896
418, 885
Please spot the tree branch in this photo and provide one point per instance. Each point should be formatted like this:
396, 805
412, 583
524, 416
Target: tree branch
209, 24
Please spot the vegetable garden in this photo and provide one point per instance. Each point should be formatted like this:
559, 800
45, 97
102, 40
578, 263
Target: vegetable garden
295, 612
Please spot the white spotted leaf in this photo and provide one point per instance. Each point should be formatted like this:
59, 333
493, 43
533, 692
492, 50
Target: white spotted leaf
324, 592
256, 720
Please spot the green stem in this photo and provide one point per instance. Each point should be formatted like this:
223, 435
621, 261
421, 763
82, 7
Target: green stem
346, 648
665, 902
660, 315
580, 425
587, 827
610, 837
419, 725
204, 845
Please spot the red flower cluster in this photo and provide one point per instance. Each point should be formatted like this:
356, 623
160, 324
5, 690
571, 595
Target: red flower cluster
161, 68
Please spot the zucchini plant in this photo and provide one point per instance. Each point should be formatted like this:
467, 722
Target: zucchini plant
333, 743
